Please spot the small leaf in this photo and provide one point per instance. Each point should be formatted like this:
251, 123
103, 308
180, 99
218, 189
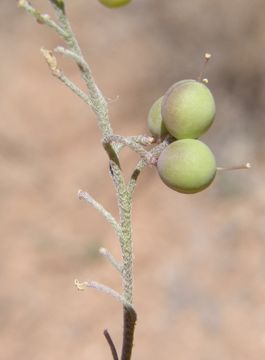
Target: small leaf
59, 4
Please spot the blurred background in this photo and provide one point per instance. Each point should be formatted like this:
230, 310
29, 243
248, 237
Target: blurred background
199, 260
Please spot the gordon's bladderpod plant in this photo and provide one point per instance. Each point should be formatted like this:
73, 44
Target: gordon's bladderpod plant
184, 163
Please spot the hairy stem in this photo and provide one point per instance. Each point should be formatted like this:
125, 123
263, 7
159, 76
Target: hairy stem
125, 204
153, 156
104, 252
99, 105
88, 198
131, 143
103, 288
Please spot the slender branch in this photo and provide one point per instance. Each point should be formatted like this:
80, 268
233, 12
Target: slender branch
72, 55
99, 103
58, 4
59, 9
83, 195
139, 149
140, 139
52, 63
111, 345
74, 88
100, 106
154, 154
102, 288
104, 252
143, 139
41, 18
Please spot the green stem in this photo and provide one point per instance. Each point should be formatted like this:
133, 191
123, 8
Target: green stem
126, 247
99, 103
124, 195
125, 205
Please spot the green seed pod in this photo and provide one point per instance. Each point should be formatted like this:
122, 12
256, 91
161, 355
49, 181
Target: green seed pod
114, 3
155, 122
187, 166
188, 109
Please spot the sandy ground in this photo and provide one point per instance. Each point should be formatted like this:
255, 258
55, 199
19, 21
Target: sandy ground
199, 260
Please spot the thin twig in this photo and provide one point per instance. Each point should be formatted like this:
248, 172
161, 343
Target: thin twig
60, 13
139, 149
111, 345
74, 88
41, 18
72, 55
143, 139
83, 195
98, 102
103, 288
154, 154
56, 72
100, 106
111, 259
58, 4
140, 139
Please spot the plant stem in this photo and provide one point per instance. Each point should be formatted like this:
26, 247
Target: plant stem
129, 320
99, 105
127, 248
88, 198
111, 345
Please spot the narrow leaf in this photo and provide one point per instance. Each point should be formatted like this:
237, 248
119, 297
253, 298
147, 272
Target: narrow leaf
59, 4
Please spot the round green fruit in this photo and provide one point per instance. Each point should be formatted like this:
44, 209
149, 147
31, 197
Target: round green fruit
187, 166
188, 109
114, 3
155, 122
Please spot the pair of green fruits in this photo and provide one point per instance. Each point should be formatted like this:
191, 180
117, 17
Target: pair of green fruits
185, 112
